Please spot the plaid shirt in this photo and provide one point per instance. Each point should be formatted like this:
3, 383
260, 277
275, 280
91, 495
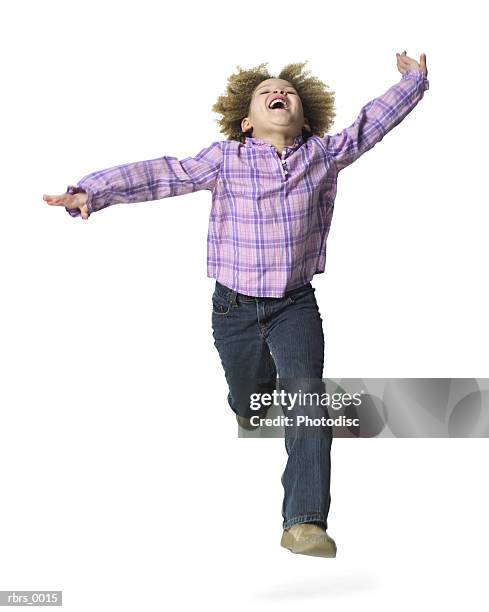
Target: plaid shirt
270, 214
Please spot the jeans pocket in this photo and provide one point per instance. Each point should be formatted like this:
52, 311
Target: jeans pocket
305, 294
221, 304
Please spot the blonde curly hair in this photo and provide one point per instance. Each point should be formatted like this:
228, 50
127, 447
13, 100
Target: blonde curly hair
234, 105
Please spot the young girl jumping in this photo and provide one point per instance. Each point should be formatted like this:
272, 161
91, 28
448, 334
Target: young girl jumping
273, 183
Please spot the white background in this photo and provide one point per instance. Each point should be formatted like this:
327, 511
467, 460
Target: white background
123, 481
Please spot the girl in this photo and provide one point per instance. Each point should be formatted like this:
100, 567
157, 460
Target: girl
273, 184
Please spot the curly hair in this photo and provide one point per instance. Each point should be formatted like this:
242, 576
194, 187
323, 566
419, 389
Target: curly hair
234, 105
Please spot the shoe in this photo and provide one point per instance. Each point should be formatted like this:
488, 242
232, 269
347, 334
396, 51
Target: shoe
246, 423
308, 539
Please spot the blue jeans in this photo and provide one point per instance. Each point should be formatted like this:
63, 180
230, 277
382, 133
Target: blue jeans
258, 338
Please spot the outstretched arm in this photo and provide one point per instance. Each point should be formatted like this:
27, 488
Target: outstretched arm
153, 179
380, 115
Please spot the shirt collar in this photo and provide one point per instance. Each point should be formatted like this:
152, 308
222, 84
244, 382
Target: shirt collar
259, 142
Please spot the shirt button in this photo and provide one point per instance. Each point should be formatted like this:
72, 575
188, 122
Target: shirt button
283, 162
285, 172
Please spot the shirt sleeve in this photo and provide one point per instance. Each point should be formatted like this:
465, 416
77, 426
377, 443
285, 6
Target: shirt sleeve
376, 118
153, 179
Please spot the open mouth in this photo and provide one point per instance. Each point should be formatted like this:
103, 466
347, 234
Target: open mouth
278, 104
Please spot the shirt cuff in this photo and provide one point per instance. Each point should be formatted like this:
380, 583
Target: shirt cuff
417, 74
72, 190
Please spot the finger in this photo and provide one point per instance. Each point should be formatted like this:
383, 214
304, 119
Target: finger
400, 65
54, 199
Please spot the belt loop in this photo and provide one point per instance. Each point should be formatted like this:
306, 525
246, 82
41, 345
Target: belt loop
233, 295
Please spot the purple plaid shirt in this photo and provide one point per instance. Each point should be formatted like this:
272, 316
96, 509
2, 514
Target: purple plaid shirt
270, 214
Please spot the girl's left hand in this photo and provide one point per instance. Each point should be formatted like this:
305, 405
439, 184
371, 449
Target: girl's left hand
405, 63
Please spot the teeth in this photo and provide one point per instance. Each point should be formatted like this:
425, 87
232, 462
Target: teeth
274, 102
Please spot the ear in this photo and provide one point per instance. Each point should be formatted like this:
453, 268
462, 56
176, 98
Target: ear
306, 125
246, 125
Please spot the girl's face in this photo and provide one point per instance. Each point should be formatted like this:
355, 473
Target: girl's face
267, 118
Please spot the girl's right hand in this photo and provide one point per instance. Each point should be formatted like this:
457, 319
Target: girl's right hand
77, 200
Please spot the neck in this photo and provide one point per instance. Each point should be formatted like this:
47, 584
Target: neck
279, 141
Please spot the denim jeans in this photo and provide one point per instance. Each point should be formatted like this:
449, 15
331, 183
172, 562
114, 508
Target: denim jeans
258, 338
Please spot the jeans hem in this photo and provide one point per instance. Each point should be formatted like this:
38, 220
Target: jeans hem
306, 518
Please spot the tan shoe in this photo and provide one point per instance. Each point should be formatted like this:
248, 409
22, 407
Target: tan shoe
246, 423
308, 539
